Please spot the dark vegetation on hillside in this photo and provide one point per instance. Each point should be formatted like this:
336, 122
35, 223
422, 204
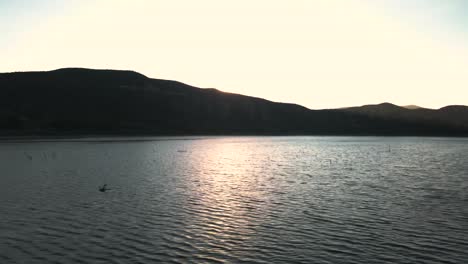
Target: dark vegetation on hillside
84, 102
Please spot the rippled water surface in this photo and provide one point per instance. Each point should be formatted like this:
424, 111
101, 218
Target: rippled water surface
235, 199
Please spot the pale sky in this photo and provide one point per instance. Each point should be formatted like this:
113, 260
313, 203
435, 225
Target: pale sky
317, 53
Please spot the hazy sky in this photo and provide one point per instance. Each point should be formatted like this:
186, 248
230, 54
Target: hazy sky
317, 53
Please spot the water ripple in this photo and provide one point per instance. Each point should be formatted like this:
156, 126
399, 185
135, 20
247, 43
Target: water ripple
235, 200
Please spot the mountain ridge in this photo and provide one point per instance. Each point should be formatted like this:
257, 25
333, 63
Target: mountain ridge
111, 102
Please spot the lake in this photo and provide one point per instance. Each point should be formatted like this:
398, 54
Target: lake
235, 200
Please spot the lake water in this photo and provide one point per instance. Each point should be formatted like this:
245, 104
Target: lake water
235, 200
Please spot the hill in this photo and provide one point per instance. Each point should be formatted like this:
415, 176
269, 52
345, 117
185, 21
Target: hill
411, 107
454, 115
77, 101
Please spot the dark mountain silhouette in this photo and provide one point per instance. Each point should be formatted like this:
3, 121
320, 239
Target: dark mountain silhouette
77, 101
454, 115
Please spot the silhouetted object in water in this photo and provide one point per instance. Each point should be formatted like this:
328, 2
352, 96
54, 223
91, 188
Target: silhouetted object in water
103, 188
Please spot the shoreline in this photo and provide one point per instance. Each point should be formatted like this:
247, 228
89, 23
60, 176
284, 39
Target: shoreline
142, 138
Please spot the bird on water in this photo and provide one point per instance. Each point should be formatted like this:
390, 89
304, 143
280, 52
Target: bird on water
103, 188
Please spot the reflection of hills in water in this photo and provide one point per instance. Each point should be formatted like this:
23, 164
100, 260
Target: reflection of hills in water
83, 101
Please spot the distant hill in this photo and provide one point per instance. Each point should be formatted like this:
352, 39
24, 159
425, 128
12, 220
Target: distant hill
77, 101
454, 115
411, 107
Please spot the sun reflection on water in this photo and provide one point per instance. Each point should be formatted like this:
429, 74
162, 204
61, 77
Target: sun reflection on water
227, 193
